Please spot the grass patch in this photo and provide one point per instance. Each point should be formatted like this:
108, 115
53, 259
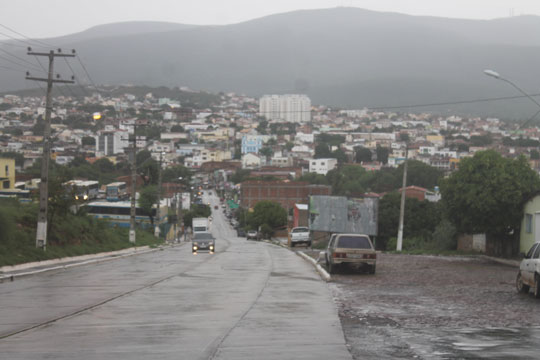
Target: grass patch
69, 235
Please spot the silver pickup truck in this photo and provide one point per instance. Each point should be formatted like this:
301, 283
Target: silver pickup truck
300, 235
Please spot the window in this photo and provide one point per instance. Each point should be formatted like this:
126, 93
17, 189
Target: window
528, 223
536, 252
7, 170
5, 184
531, 251
354, 242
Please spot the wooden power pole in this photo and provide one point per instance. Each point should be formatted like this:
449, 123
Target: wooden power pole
41, 232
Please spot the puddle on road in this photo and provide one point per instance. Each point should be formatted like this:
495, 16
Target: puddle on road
470, 343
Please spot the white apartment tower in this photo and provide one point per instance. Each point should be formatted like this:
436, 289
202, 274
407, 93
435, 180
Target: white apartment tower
291, 108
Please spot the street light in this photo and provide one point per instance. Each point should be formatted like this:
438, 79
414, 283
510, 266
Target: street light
497, 76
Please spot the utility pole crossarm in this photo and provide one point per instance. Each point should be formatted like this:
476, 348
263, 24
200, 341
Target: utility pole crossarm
57, 54
46, 80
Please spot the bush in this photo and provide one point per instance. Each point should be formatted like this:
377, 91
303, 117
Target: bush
445, 236
409, 244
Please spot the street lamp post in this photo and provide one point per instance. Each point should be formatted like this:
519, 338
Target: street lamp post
497, 76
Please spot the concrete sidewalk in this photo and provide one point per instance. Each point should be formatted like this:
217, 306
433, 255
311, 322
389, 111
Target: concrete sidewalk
11, 272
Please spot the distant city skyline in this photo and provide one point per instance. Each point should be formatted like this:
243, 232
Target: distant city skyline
51, 18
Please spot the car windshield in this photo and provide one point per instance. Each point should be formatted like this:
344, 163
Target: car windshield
302, 229
354, 242
203, 236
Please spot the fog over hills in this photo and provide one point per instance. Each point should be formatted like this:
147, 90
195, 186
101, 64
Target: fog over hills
345, 57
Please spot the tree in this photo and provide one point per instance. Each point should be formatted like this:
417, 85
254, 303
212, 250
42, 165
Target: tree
340, 156
419, 174
421, 219
330, 140
88, 140
268, 213
171, 174
104, 165
535, 155
147, 199
240, 175
261, 128
487, 194
177, 129
362, 154
266, 151
382, 154
322, 151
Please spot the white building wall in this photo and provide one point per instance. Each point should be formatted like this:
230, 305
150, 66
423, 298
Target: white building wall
292, 107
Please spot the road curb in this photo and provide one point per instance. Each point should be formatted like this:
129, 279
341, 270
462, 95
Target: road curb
508, 262
92, 259
325, 275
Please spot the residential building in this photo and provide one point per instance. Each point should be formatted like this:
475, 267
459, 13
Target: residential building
291, 108
251, 160
251, 144
111, 142
7, 174
322, 166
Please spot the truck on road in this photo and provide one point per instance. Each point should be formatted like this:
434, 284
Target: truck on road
200, 224
300, 235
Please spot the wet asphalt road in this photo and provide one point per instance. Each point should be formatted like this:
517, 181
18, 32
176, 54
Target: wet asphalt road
250, 300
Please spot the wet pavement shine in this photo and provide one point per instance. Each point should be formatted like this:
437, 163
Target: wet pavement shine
249, 300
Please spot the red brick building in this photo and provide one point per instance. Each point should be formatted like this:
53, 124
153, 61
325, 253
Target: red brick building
287, 193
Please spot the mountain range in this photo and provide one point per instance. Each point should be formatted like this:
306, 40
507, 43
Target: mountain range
344, 57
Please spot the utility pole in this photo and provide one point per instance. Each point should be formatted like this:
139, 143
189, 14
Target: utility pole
156, 225
402, 205
41, 232
133, 210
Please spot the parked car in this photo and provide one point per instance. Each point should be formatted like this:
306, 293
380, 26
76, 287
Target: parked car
529, 272
240, 232
300, 235
350, 249
252, 235
216, 207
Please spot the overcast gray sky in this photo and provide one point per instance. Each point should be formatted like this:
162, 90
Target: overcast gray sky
47, 18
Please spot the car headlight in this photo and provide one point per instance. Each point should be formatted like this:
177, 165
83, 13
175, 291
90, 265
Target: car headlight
211, 247
195, 247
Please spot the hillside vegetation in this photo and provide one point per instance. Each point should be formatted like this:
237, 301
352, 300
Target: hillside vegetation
69, 235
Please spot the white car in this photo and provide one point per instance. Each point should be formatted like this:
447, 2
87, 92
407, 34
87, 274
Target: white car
529, 272
350, 250
252, 234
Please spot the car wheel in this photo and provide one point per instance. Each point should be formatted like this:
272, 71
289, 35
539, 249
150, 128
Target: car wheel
536, 286
520, 286
331, 268
308, 244
292, 244
372, 269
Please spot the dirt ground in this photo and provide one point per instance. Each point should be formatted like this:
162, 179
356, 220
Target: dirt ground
430, 307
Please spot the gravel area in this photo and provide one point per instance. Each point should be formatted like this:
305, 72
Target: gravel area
437, 308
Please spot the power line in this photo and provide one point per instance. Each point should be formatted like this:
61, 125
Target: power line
19, 65
14, 39
76, 77
10, 68
86, 72
26, 37
19, 58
